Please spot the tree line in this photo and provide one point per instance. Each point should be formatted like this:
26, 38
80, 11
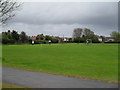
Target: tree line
46, 39
116, 36
80, 35
12, 37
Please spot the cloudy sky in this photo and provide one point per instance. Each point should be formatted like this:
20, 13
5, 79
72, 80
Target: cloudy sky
58, 19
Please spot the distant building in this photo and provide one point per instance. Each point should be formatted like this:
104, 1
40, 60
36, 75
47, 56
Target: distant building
105, 39
101, 39
40, 36
32, 37
108, 39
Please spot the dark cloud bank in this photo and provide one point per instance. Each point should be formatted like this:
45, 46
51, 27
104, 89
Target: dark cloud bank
61, 18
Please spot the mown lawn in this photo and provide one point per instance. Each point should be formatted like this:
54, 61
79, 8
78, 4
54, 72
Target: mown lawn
6, 85
95, 61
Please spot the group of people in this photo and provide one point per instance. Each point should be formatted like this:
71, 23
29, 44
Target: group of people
87, 41
33, 42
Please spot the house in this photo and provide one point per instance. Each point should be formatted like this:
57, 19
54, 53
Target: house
105, 39
32, 37
40, 36
108, 39
101, 39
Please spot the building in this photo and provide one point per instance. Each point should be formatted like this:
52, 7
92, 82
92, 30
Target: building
105, 39
32, 37
40, 36
101, 39
109, 39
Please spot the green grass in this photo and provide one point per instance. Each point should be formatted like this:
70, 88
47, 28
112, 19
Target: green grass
95, 61
5, 85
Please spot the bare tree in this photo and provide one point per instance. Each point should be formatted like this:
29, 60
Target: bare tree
77, 33
6, 9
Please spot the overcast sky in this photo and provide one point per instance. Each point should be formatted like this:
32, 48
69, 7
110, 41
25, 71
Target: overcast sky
60, 19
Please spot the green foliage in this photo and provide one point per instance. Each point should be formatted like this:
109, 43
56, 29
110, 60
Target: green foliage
14, 35
116, 36
47, 37
41, 38
87, 32
12, 41
40, 42
30, 41
54, 40
81, 35
5, 40
77, 40
70, 40
77, 32
23, 37
94, 39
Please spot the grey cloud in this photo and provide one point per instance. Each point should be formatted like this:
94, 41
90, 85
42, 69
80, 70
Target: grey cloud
68, 13
62, 18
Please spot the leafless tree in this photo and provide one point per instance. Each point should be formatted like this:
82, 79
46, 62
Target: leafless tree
6, 9
77, 33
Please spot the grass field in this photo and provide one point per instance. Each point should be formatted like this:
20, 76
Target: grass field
5, 85
95, 61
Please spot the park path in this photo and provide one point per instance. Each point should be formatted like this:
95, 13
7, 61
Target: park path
42, 80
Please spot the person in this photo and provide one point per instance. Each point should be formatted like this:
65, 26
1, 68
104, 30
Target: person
88, 41
32, 42
49, 41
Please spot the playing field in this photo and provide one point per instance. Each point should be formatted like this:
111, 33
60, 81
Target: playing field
94, 61
5, 85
